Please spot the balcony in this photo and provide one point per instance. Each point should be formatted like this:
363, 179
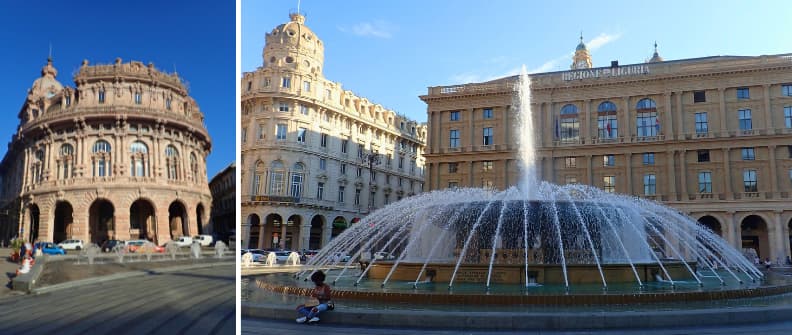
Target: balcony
640, 139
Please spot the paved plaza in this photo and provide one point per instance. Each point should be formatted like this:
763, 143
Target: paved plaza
265, 327
191, 301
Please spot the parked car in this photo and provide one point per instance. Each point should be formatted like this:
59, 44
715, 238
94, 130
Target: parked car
308, 254
204, 240
339, 257
183, 241
49, 248
257, 254
282, 256
383, 255
135, 245
71, 245
109, 245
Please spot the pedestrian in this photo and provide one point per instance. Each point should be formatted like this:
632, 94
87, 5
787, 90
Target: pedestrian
320, 302
767, 263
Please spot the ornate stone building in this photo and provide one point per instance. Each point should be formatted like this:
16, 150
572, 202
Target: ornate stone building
316, 157
709, 136
122, 155
223, 188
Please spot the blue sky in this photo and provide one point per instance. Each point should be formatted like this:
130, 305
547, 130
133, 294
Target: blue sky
196, 38
391, 51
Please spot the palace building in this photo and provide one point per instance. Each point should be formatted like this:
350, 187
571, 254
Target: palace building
122, 155
710, 136
315, 156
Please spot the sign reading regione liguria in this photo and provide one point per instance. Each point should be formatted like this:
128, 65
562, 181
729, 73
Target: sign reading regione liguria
618, 71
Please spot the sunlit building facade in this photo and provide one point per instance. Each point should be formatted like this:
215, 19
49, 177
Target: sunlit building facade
121, 155
710, 136
316, 158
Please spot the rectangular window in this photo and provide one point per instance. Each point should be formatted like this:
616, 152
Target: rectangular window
699, 96
648, 158
343, 168
748, 154
703, 156
301, 135
702, 127
322, 164
167, 103
608, 126
455, 116
786, 90
453, 140
648, 124
486, 165
705, 182
570, 180
745, 119
387, 178
789, 150
488, 136
283, 107
359, 172
320, 191
280, 132
307, 86
68, 102
260, 132
138, 98
452, 167
323, 140
609, 184
788, 116
244, 134
570, 162
487, 113
286, 82
357, 197
344, 144
749, 181
453, 184
361, 150
743, 93
487, 184
101, 96
304, 109
341, 192
401, 162
650, 184
249, 86
265, 82
608, 160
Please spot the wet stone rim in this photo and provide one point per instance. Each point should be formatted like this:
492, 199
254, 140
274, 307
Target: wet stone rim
542, 299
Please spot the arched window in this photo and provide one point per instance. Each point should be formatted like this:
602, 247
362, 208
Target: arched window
646, 121
258, 177
607, 123
276, 186
297, 176
101, 158
172, 162
194, 166
570, 126
66, 161
139, 159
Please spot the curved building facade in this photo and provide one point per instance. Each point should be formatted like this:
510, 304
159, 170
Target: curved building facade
316, 157
122, 155
709, 136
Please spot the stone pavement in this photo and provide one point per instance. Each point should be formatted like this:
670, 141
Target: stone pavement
252, 326
194, 301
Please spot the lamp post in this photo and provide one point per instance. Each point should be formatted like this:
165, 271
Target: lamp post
371, 159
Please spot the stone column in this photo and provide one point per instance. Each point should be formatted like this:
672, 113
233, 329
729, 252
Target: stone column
779, 249
680, 124
589, 170
506, 172
628, 172
305, 237
722, 109
727, 180
282, 240
785, 248
163, 226
683, 185
327, 233
244, 234
773, 172
262, 232
734, 228
122, 224
471, 180
625, 124
668, 127
586, 129
672, 192
767, 110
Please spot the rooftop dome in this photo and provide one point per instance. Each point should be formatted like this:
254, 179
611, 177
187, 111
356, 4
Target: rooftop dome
655, 57
581, 45
46, 85
294, 45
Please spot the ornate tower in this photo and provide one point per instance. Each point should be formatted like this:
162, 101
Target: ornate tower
292, 46
582, 58
655, 57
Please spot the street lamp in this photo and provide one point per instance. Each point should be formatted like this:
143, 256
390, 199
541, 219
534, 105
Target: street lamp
371, 159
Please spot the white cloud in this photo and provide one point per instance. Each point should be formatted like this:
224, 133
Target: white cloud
378, 29
592, 45
601, 40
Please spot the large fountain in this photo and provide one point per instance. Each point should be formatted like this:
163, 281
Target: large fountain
535, 234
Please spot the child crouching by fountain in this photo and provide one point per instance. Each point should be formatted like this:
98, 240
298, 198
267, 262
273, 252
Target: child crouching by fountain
320, 303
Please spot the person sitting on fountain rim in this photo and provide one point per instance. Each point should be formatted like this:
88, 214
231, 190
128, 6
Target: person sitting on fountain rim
320, 301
